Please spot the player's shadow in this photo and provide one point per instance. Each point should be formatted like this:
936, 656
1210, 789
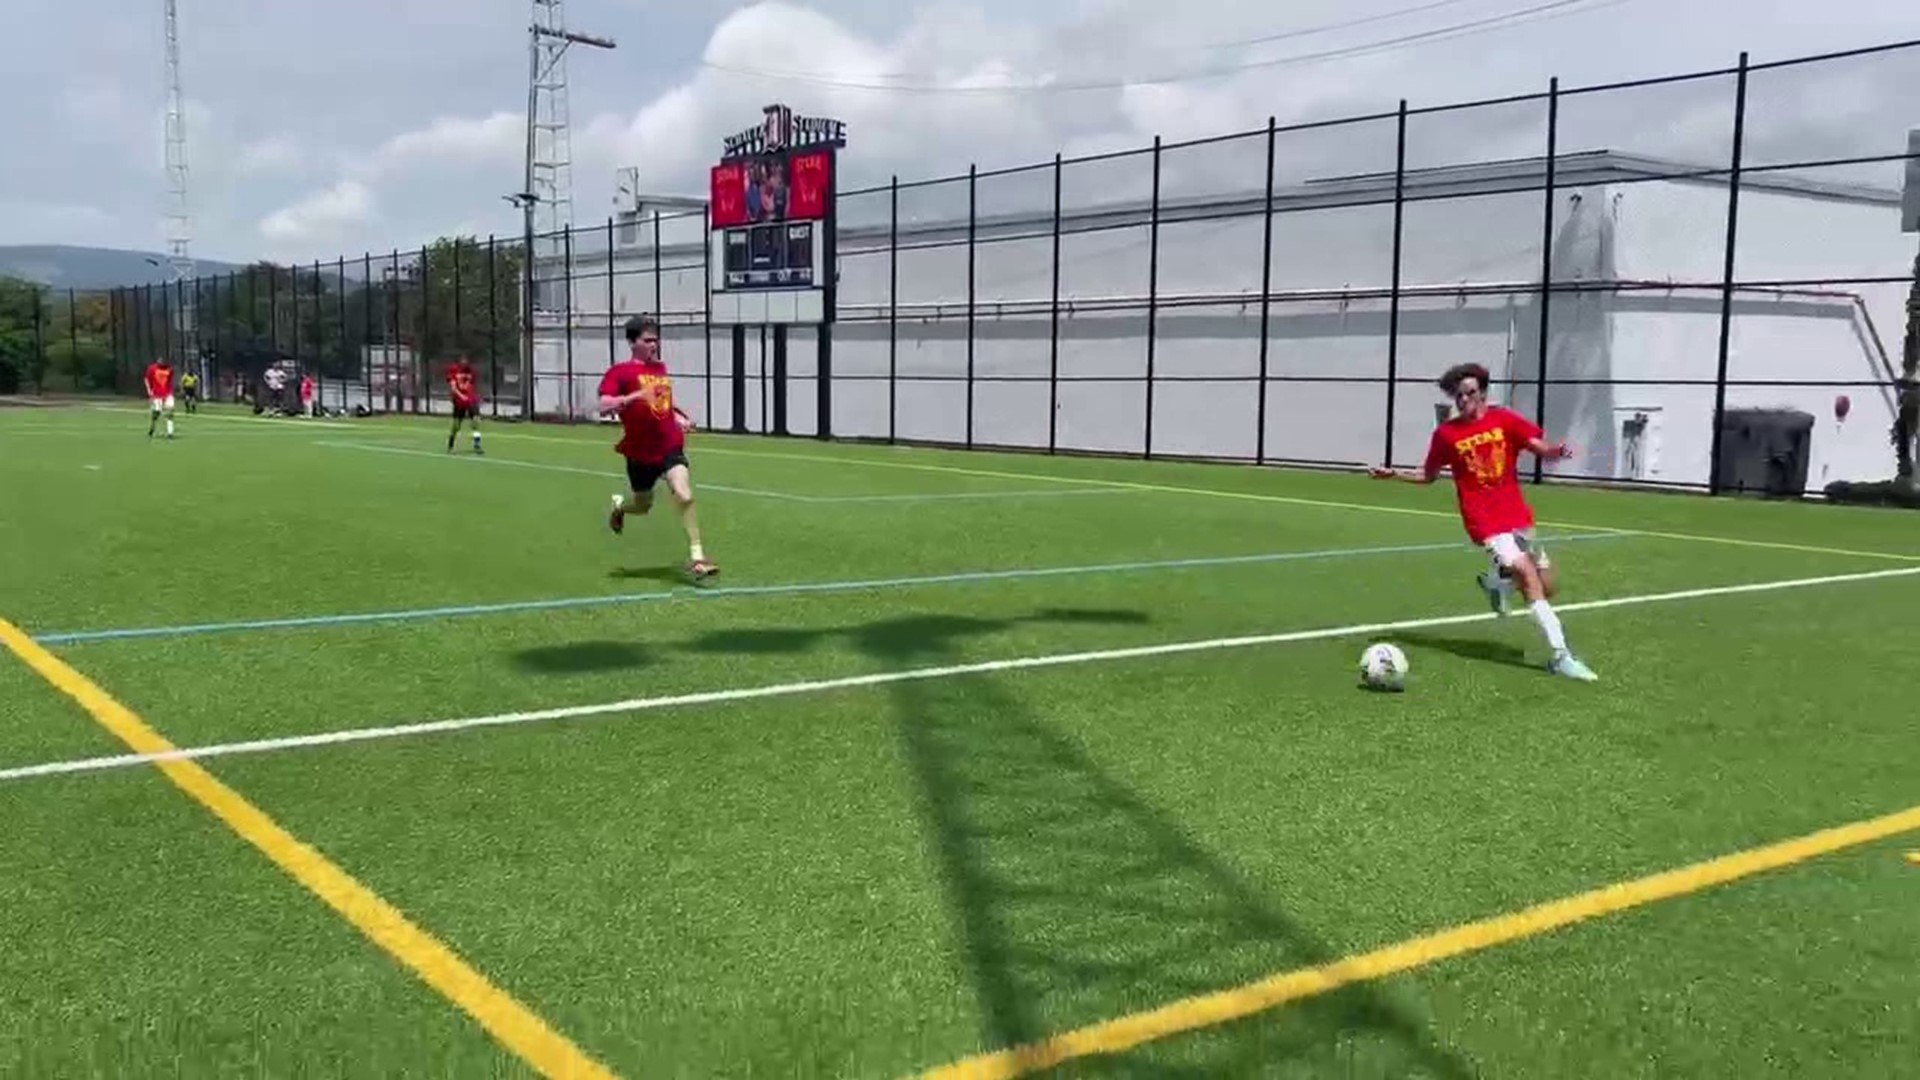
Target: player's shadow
584, 657
671, 575
1479, 650
899, 638
1076, 900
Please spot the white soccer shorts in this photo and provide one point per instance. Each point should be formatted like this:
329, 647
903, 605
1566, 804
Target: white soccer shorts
1507, 547
162, 403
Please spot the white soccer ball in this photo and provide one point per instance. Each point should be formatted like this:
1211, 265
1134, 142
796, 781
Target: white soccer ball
1383, 666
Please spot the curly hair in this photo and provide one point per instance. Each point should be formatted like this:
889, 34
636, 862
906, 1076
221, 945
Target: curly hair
1450, 382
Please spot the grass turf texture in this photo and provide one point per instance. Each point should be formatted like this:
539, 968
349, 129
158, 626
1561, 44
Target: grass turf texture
869, 881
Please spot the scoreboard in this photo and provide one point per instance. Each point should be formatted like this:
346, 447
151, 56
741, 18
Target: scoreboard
772, 219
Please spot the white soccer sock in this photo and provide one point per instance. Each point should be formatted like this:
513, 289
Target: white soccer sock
169, 425
696, 553
1549, 621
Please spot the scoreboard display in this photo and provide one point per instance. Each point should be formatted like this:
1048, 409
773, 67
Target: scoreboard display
771, 256
771, 211
772, 206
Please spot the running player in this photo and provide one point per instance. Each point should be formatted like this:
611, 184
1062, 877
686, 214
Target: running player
653, 436
464, 387
1481, 446
160, 394
190, 391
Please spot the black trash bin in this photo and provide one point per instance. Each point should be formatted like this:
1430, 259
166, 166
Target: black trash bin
1765, 451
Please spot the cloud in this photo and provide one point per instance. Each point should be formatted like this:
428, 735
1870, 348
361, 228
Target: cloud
432, 139
321, 216
499, 138
273, 154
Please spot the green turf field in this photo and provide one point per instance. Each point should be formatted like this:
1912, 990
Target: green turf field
922, 774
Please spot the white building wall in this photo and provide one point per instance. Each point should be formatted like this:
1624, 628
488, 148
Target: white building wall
1678, 230
1320, 347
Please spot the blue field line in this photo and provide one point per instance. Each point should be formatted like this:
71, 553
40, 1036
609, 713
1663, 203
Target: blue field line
788, 589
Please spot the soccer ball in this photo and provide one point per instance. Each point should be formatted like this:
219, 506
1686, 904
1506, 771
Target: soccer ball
1383, 667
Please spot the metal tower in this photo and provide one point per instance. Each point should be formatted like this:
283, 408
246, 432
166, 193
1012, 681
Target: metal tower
546, 194
179, 221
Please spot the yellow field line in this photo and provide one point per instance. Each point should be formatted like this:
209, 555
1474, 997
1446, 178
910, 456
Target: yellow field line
1208, 1010
512, 1023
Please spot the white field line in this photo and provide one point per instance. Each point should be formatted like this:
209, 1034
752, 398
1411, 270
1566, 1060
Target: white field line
1260, 497
708, 697
1247, 496
620, 479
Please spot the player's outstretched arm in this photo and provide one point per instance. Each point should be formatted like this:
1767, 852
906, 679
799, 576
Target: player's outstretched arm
1551, 451
1411, 476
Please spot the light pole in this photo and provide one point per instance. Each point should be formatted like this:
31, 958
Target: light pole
549, 44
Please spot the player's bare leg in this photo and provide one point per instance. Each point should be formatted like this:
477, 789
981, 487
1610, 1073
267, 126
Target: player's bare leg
680, 486
1533, 586
472, 420
640, 502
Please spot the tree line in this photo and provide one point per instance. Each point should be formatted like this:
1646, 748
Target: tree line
421, 309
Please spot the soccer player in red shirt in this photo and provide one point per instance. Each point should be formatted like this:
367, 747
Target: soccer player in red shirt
463, 385
160, 394
653, 436
1481, 447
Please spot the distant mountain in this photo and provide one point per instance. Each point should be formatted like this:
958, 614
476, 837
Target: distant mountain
65, 267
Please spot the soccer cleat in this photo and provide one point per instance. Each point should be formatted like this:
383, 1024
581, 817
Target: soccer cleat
1568, 666
702, 568
1496, 590
617, 517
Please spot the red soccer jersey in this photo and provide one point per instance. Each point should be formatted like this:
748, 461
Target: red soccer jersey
159, 381
464, 384
648, 433
1482, 455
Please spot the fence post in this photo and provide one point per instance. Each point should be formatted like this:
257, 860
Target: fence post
166, 314
393, 314
319, 339
1266, 305
893, 307
366, 324
659, 271
1726, 280
493, 326
972, 227
293, 289
706, 295
1053, 331
1546, 265
219, 339
423, 359
567, 292
1393, 297
340, 277
459, 315
613, 307
1153, 294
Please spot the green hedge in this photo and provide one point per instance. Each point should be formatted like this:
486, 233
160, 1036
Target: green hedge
1875, 493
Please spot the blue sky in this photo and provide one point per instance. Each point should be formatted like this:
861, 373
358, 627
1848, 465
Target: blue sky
319, 129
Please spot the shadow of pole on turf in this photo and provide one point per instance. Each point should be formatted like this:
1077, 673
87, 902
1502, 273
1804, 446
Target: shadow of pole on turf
1077, 901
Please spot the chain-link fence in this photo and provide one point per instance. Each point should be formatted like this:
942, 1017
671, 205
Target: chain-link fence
1699, 279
